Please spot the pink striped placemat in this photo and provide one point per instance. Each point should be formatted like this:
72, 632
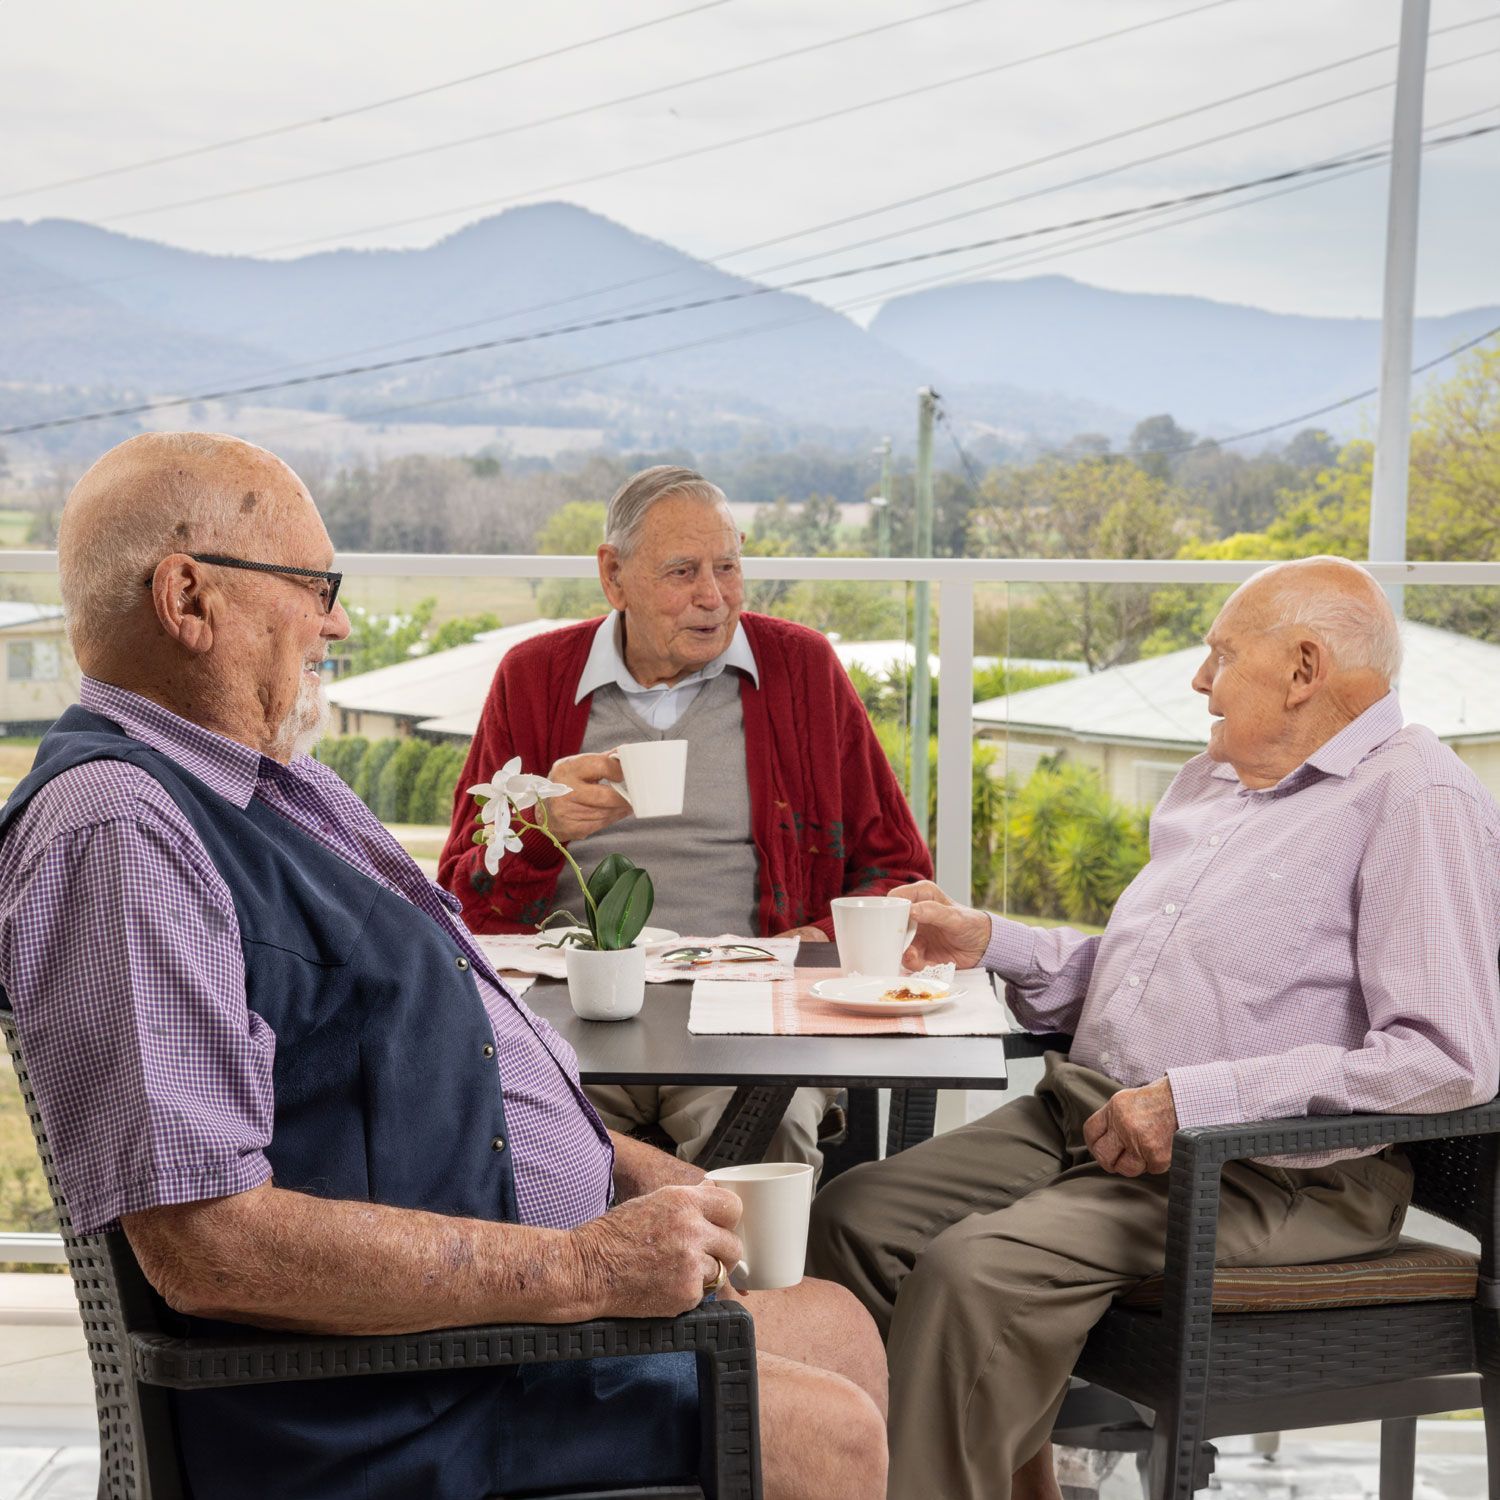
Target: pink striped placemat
788, 1007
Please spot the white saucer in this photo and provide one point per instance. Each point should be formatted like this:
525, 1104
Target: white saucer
650, 937
863, 994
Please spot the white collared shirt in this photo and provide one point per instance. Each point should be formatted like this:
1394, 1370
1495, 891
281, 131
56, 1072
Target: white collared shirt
663, 705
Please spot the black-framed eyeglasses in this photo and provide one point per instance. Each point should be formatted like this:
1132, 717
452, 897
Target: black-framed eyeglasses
328, 596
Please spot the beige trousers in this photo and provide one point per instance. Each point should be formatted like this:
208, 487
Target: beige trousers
689, 1114
987, 1254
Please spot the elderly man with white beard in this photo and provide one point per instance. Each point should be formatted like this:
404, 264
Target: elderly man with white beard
266, 1048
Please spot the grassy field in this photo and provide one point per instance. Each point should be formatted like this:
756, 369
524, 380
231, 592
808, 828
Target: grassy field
15, 527
25, 1204
16, 757
512, 599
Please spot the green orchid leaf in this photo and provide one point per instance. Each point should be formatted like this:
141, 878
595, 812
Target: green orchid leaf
624, 910
606, 873
638, 909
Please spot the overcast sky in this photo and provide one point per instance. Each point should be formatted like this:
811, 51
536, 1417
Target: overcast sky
93, 84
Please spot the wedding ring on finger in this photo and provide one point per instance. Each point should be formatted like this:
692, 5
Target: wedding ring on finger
719, 1281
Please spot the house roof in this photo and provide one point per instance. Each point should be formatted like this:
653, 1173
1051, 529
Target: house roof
877, 657
14, 613
447, 685
1450, 683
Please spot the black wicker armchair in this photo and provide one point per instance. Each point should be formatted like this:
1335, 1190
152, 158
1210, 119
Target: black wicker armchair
1206, 1373
136, 1361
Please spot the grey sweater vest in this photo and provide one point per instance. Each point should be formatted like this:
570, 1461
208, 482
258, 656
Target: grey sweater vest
703, 864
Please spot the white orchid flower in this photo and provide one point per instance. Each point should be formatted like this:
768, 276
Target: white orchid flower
500, 837
527, 791
520, 790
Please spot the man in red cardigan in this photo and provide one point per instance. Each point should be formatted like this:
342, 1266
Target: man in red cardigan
789, 799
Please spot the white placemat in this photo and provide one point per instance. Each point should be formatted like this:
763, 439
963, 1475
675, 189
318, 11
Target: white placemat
523, 953
789, 1008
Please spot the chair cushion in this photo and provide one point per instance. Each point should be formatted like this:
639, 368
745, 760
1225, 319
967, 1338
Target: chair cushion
1412, 1272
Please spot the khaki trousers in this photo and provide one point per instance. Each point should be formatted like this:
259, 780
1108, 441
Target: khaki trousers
689, 1114
987, 1254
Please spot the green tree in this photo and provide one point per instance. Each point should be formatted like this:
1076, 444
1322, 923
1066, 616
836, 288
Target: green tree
371, 764
1453, 501
574, 531
393, 787
1091, 507
1155, 440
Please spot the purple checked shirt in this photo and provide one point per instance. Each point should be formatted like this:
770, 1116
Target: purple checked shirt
1324, 946
113, 919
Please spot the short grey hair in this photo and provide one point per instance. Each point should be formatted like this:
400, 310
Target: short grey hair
1356, 621
629, 504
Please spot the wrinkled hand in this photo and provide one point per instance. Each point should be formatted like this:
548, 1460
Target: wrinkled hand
1132, 1134
947, 933
651, 1257
807, 934
592, 805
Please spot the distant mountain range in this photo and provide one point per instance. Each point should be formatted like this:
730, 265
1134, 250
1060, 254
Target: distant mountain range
1215, 366
90, 317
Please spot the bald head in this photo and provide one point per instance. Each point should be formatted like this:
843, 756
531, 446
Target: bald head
1333, 598
153, 495
1297, 652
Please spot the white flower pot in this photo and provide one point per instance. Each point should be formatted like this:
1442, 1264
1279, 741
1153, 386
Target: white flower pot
606, 985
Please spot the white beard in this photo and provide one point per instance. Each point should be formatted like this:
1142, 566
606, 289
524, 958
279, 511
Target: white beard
305, 724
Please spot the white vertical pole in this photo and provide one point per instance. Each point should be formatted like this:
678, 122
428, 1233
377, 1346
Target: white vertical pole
955, 756
955, 775
1403, 210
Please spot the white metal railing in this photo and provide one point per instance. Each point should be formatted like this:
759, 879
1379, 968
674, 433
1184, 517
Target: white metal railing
956, 579
33, 1249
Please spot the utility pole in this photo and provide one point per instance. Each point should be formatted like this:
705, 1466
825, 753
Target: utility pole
921, 677
882, 502
1393, 435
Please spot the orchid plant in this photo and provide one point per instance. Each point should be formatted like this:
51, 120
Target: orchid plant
617, 896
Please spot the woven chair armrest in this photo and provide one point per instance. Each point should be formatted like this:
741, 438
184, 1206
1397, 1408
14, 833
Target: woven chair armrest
1316, 1134
720, 1328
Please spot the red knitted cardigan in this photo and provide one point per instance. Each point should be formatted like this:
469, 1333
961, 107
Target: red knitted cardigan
827, 815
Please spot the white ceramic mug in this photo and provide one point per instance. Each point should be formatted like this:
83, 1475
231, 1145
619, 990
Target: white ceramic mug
654, 773
606, 984
872, 933
777, 1199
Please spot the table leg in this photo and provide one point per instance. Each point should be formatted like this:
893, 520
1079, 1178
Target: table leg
861, 1141
745, 1128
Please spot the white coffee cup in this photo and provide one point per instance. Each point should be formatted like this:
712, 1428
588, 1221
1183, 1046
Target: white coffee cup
654, 774
872, 932
777, 1199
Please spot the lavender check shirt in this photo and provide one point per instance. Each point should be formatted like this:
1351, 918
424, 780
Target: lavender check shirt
1324, 946
120, 954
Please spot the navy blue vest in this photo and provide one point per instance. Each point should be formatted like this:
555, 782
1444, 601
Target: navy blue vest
383, 1094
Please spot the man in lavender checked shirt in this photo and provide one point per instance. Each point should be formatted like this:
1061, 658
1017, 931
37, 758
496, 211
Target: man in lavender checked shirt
234, 989
1316, 933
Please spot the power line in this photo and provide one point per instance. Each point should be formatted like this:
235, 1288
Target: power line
1003, 203
700, 303
1322, 411
741, 140
1142, 161
553, 119
696, 151
1095, 240
358, 109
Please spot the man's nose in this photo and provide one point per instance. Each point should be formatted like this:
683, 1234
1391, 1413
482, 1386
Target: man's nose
336, 624
706, 591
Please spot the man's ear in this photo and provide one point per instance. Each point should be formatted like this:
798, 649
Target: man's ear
609, 576
184, 602
1310, 666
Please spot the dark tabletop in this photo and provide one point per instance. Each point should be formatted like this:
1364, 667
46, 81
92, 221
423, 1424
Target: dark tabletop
657, 1048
